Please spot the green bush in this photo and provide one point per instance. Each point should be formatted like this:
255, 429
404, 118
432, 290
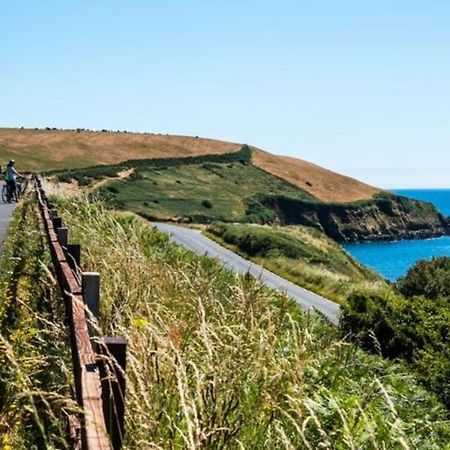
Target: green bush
207, 204
431, 279
413, 324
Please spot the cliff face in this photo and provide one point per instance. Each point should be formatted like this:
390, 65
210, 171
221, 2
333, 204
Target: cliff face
384, 217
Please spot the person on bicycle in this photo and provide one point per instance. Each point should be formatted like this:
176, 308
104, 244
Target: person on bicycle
11, 175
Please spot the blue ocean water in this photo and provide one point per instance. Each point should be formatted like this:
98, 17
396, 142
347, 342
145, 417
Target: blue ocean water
393, 259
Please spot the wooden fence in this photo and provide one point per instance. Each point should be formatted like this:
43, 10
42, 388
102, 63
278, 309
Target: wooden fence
98, 362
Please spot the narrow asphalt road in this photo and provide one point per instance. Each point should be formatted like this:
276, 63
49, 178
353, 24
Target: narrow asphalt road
6, 211
195, 241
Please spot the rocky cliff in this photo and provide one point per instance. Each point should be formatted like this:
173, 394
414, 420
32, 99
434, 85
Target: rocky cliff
384, 217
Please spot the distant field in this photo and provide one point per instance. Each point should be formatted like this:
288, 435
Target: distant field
44, 150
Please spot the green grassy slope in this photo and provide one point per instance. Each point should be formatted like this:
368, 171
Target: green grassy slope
199, 192
303, 255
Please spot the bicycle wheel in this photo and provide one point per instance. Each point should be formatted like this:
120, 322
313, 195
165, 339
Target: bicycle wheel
5, 198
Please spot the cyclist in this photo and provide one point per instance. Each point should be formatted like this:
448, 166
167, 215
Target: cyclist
11, 175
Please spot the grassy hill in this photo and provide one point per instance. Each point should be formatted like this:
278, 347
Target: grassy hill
67, 149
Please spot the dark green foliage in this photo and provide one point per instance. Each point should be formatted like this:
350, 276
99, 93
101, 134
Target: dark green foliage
207, 204
65, 178
259, 241
285, 246
85, 176
113, 189
414, 326
96, 172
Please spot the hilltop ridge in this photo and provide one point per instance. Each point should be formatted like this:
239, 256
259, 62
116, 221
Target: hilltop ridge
44, 149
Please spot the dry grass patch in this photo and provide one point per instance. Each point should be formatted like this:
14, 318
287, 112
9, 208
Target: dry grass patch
44, 150
324, 184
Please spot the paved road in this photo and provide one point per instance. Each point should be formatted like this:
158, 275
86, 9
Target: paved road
196, 242
5, 216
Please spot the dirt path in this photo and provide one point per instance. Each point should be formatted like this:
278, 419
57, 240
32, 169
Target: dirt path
120, 176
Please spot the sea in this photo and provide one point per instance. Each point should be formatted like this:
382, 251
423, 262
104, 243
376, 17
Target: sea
393, 259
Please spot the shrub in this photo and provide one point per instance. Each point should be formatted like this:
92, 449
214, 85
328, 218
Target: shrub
207, 204
113, 189
428, 278
411, 326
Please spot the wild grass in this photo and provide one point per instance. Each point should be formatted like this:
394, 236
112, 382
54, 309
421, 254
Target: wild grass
217, 361
35, 383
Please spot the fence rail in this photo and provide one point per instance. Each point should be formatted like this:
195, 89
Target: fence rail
98, 362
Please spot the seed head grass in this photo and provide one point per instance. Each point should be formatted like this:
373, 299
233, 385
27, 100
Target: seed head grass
216, 360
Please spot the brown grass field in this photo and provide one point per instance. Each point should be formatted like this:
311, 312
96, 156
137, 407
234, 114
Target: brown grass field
36, 150
44, 150
322, 183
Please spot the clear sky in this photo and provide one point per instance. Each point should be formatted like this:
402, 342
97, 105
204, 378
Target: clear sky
359, 86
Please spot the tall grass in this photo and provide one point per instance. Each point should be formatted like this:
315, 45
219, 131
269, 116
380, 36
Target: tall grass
218, 361
35, 385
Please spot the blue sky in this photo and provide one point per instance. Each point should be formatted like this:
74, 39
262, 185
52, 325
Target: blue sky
361, 87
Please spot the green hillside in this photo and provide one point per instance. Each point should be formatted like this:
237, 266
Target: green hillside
196, 193
229, 187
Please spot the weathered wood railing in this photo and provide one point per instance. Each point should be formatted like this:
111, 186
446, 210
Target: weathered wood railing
98, 362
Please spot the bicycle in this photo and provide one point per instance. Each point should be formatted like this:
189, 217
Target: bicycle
10, 197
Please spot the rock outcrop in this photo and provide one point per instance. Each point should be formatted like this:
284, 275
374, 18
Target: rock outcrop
384, 217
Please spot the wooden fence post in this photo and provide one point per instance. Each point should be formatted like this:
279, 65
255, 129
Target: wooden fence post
53, 213
90, 285
57, 222
62, 234
74, 252
112, 373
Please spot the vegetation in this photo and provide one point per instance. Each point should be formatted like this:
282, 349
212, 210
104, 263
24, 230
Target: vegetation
303, 255
217, 361
229, 187
86, 175
35, 385
413, 324
430, 279
196, 192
